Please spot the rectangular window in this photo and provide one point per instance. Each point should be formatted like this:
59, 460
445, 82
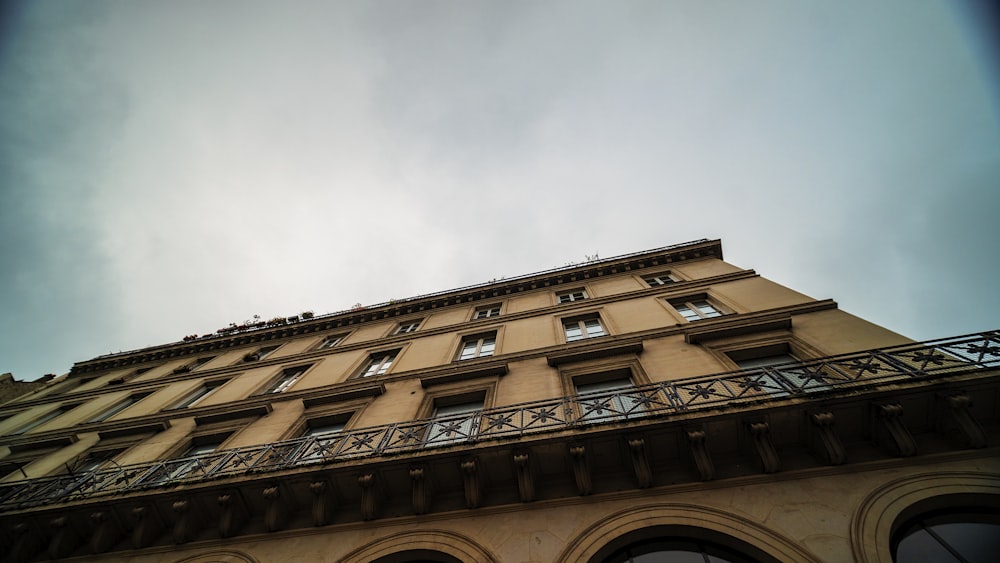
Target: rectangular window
487, 312
571, 296
453, 424
120, 406
781, 363
379, 363
665, 278
582, 328
288, 378
199, 394
330, 341
261, 353
51, 415
201, 361
478, 346
326, 432
611, 399
193, 460
695, 309
407, 327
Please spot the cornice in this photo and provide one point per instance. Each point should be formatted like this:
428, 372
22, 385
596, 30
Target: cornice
492, 290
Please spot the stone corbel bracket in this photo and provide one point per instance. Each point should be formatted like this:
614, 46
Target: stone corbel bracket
972, 433
322, 503
470, 478
895, 437
185, 521
702, 459
275, 508
65, 537
106, 530
233, 513
420, 490
24, 542
148, 526
367, 483
581, 469
831, 448
640, 462
760, 432
525, 476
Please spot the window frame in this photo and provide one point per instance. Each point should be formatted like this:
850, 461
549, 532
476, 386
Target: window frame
480, 339
569, 296
337, 338
44, 418
688, 302
408, 326
488, 309
120, 406
659, 276
483, 390
286, 379
261, 353
383, 358
581, 325
199, 394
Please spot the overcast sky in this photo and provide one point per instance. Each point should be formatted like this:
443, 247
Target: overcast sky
167, 168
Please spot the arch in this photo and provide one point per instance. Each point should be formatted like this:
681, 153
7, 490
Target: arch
708, 523
886, 507
221, 556
437, 541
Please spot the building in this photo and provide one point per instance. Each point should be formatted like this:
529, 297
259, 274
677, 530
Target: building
659, 401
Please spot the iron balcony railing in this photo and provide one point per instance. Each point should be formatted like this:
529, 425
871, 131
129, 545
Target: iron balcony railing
799, 379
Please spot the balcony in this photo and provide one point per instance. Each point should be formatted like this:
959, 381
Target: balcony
871, 407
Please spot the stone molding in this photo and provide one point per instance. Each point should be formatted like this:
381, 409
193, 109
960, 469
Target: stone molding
742, 529
449, 543
880, 511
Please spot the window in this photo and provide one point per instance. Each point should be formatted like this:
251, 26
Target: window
408, 326
583, 327
949, 535
192, 460
199, 394
325, 431
45, 418
614, 398
261, 353
478, 346
379, 363
120, 406
454, 423
695, 309
665, 278
194, 365
330, 341
487, 312
782, 363
571, 296
288, 378
676, 549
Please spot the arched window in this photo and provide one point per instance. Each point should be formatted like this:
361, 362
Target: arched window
676, 550
967, 535
418, 556
679, 544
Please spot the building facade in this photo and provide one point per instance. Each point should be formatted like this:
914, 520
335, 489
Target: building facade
662, 402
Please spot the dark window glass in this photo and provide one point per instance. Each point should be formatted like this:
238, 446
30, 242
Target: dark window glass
969, 535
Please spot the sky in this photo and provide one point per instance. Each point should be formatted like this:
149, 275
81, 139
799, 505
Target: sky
167, 168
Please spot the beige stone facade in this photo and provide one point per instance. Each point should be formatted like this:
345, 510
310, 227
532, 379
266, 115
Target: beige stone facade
555, 417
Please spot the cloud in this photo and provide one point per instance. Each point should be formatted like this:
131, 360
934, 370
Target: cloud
172, 169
